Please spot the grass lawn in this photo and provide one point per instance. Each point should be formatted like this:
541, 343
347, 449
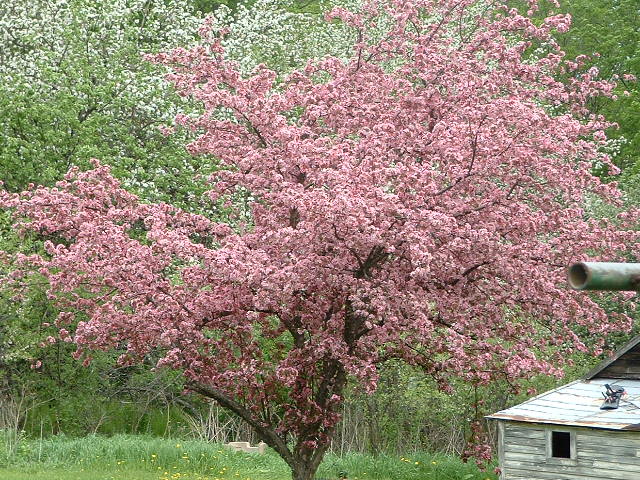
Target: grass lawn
63, 474
123, 474
131, 457
118, 474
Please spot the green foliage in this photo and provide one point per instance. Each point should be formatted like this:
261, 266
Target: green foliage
609, 33
79, 414
299, 6
74, 85
77, 400
22, 313
209, 6
407, 413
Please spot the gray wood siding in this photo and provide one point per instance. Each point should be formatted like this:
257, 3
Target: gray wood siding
624, 364
627, 366
600, 454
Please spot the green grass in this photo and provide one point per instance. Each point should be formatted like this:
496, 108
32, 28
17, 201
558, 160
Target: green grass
134, 457
61, 474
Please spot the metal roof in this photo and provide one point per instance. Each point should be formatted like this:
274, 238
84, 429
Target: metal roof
578, 404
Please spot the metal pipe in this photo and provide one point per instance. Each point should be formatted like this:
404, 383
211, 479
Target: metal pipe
604, 276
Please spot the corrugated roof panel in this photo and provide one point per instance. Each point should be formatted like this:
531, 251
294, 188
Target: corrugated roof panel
578, 404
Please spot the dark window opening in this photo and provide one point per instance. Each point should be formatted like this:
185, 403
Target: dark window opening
561, 444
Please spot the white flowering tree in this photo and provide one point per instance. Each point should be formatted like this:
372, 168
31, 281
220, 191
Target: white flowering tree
283, 34
74, 85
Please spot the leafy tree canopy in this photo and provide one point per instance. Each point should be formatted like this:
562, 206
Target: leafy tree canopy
609, 33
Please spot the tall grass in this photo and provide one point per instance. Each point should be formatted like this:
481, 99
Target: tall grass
167, 457
106, 417
12, 410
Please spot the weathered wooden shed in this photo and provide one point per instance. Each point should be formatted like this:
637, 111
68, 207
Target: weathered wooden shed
564, 434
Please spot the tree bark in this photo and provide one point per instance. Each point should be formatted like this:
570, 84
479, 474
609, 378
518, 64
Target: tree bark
303, 461
302, 472
307, 461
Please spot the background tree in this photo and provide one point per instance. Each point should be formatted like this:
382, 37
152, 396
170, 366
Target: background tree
282, 34
397, 197
609, 34
73, 85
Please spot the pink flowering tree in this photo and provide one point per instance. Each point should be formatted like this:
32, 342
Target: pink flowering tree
418, 201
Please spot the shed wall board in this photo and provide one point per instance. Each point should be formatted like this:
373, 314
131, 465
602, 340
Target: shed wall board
625, 366
625, 363
600, 454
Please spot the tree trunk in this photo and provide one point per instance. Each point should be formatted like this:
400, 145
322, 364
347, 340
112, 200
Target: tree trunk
303, 471
306, 460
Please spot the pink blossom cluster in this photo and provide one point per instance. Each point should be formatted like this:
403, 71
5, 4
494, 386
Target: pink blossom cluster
419, 201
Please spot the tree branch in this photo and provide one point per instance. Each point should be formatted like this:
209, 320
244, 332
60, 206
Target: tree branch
267, 434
